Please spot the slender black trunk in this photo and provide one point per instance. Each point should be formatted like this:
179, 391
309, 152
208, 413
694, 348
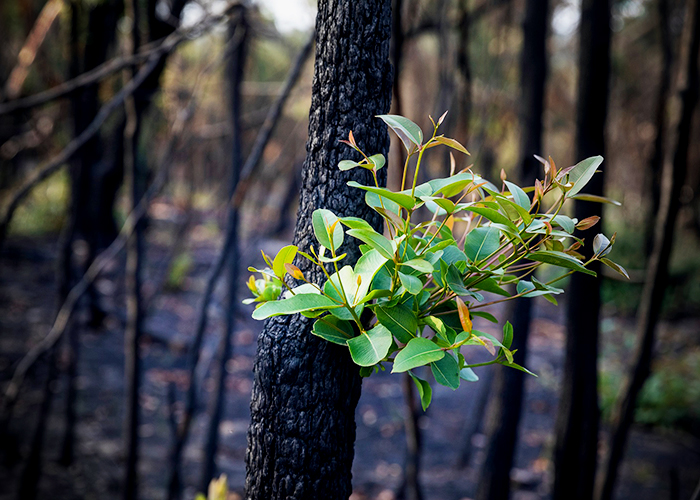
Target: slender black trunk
302, 432
577, 419
506, 407
657, 270
476, 419
134, 261
239, 32
410, 485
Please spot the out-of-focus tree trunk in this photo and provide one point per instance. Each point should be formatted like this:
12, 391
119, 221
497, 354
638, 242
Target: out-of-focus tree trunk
239, 32
506, 405
674, 174
302, 432
577, 419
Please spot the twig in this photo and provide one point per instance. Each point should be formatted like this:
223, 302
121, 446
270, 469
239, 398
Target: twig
27, 54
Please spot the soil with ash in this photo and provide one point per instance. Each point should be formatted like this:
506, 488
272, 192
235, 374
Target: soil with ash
658, 464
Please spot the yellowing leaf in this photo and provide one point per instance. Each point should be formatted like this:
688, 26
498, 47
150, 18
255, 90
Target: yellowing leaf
464, 319
294, 271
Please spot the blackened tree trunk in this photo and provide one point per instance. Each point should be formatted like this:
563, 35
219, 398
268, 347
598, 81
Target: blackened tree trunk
657, 270
464, 73
578, 415
239, 34
134, 184
506, 406
302, 432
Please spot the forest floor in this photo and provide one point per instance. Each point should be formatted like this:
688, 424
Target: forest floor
660, 464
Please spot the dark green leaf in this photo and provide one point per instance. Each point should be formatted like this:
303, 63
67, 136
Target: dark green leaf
482, 242
333, 330
400, 320
418, 352
559, 259
424, 390
405, 200
595, 199
446, 371
370, 348
507, 334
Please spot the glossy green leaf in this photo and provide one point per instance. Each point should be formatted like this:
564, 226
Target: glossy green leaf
566, 223
295, 304
334, 330
284, 256
348, 165
424, 390
481, 242
411, 283
322, 221
400, 320
419, 265
446, 371
356, 223
468, 374
559, 259
375, 201
582, 173
410, 134
370, 348
482, 314
377, 241
418, 352
404, 200
378, 161
519, 196
507, 334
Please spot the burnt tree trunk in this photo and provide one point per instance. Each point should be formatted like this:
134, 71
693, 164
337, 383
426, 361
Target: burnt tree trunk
657, 270
302, 432
506, 406
577, 418
239, 31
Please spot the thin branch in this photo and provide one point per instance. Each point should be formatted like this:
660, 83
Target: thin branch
89, 77
31, 46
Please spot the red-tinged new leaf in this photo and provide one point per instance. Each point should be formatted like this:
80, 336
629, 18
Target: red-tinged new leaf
451, 143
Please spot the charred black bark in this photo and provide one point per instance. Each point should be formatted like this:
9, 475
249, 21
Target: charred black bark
302, 432
577, 418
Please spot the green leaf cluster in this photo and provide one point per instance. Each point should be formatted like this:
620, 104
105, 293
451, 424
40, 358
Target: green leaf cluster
410, 299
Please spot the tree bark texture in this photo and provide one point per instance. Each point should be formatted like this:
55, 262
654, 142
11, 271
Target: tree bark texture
506, 407
578, 414
302, 432
657, 269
